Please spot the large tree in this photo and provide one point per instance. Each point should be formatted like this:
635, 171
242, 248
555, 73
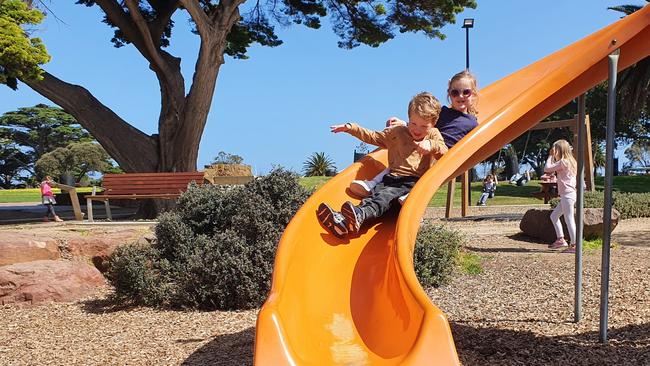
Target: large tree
40, 129
223, 30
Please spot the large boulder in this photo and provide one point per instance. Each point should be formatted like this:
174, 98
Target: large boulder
48, 280
98, 248
537, 224
20, 248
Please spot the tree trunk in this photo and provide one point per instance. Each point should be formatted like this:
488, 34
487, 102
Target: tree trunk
511, 161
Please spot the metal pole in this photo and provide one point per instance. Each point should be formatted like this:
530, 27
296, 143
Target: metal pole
467, 48
580, 153
607, 208
469, 180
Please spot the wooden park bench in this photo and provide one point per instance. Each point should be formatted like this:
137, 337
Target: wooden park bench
135, 186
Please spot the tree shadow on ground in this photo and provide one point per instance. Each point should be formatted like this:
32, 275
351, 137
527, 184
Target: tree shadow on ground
629, 345
234, 349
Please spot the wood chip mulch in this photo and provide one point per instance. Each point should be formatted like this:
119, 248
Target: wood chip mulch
519, 311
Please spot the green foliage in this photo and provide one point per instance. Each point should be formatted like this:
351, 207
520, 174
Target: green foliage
12, 162
226, 158
319, 164
436, 252
470, 263
215, 250
76, 159
629, 205
20, 55
639, 153
358, 22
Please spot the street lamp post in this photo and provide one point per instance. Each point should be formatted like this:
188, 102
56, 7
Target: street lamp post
467, 24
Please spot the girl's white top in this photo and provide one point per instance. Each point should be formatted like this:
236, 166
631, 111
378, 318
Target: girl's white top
566, 180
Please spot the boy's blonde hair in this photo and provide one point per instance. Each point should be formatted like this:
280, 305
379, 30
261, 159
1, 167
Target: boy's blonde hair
565, 154
465, 74
426, 106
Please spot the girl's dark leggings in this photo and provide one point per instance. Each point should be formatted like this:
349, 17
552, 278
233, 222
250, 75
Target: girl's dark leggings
50, 210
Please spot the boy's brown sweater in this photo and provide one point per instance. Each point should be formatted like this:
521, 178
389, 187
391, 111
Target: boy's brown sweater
403, 156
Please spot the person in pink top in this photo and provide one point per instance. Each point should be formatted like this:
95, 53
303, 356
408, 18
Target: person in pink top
561, 161
48, 199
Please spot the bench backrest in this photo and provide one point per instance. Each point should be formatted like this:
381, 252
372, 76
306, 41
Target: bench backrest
149, 183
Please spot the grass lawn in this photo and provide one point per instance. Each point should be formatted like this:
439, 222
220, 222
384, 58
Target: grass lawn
27, 195
508, 194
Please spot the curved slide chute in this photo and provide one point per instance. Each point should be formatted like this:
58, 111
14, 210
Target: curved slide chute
358, 301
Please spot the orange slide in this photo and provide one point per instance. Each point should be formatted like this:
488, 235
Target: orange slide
358, 302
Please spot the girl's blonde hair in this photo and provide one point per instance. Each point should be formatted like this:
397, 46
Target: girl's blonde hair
564, 153
465, 74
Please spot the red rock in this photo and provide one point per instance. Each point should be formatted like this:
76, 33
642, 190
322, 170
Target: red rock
20, 248
47, 280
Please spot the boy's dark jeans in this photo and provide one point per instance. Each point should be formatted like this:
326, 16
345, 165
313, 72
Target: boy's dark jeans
384, 194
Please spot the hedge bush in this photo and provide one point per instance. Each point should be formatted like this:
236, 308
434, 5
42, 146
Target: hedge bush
629, 205
436, 252
215, 250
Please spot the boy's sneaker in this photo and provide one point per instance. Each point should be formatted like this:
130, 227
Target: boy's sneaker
559, 243
353, 216
362, 188
402, 199
332, 220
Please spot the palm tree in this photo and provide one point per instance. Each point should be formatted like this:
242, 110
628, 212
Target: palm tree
634, 82
319, 164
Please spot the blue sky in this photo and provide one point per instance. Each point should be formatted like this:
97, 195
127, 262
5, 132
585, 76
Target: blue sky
275, 108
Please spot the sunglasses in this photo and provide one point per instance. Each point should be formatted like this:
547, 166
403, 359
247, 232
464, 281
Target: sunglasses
456, 93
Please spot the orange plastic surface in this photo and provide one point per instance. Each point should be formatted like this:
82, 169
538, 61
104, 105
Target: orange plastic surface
358, 302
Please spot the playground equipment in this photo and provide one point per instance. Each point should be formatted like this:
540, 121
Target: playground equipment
359, 302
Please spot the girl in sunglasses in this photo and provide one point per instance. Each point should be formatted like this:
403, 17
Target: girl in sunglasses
454, 122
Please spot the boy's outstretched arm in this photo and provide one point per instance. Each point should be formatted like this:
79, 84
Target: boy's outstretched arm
368, 136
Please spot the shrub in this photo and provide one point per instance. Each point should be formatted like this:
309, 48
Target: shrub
629, 205
436, 252
215, 250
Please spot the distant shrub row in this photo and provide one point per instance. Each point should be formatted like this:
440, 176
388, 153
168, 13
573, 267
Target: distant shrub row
629, 205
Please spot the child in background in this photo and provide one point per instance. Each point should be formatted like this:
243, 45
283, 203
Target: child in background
561, 161
48, 200
454, 122
412, 149
489, 186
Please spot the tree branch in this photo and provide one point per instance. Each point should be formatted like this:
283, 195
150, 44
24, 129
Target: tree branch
151, 48
202, 21
112, 132
117, 16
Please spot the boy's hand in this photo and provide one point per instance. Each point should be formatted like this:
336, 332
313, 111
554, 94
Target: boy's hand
340, 128
424, 147
394, 121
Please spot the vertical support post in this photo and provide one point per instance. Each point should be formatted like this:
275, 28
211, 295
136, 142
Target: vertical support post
464, 187
589, 157
467, 48
451, 187
580, 153
607, 208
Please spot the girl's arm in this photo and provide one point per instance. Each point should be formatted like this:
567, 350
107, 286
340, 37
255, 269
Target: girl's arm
553, 166
394, 121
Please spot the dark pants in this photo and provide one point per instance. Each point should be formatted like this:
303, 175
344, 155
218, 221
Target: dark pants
385, 194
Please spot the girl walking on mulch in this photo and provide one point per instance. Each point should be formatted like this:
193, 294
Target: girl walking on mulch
48, 199
560, 160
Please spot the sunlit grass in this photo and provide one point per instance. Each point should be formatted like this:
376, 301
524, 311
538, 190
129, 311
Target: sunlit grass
470, 263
